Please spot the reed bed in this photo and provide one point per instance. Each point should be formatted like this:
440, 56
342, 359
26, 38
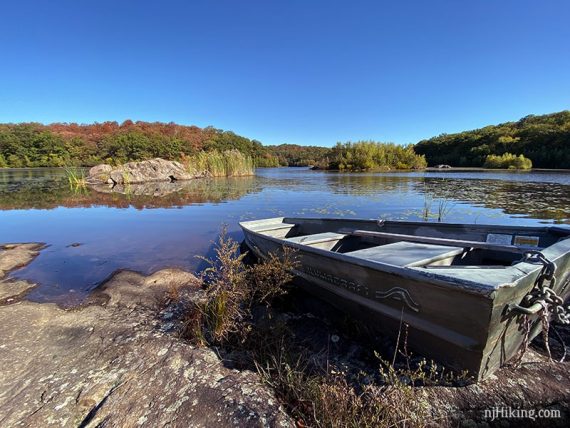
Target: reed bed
230, 163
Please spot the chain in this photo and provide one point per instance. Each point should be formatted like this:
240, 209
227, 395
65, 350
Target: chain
543, 291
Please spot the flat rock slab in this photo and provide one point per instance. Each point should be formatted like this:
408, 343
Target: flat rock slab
109, 363
115, 362
14, 256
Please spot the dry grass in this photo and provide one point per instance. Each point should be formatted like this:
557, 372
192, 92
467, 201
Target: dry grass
317, 397
233, 289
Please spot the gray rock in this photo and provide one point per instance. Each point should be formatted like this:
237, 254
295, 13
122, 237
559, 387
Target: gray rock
108, 364
14, 256
153, 170
100, 173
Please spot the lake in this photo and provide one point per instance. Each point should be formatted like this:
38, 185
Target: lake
90, 234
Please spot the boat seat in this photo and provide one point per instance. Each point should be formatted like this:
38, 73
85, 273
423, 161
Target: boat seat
270, 226
408, 254
316, 238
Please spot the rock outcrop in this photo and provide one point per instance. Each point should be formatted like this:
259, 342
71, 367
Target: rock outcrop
153, 170
13, 256
114, 362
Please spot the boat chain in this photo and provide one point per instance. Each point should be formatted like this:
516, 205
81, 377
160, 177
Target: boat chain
545, 297
543, 291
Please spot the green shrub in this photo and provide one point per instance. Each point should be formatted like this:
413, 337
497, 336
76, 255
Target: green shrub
507, 161
370, 155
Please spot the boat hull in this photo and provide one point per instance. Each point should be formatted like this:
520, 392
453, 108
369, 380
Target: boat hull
462, 328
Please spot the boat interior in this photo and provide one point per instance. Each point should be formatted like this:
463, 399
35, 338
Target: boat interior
415, 244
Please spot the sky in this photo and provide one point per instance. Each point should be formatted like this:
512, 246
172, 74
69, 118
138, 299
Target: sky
291, 71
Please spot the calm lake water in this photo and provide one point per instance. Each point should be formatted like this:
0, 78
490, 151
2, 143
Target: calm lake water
155, 226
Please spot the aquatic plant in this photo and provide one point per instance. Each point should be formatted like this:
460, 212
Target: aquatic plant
444, 206
75, 178
426, 210
229, 163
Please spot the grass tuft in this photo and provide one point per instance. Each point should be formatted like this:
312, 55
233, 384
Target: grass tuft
233, 289
75, 178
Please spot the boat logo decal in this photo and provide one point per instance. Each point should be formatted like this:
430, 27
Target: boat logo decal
400, 294
335, 280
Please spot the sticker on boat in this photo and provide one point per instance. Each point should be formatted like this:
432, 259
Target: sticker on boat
499, 238
526, 241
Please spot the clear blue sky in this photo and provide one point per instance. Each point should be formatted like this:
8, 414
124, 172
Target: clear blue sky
289, 71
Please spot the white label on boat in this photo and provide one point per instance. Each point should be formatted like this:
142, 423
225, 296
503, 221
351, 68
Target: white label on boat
526, 241
498, 238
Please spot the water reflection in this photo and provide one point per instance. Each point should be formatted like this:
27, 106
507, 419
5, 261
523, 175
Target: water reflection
547, 201
29, 189
135, 227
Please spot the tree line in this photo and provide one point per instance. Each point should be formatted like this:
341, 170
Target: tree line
544, 140
540, 141
61, 144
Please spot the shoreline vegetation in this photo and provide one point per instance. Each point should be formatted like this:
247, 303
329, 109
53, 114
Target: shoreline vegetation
229, 163
533, 141
238, 315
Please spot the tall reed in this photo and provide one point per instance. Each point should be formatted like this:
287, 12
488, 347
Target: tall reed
75, 178
229, 163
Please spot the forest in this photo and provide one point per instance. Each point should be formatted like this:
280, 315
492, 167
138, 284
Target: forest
544, 140
295, 155
63, 144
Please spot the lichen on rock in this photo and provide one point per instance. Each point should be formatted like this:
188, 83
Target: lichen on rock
110, 362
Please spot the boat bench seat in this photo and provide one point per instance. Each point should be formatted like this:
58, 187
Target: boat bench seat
316, 238
408, 254
272, 226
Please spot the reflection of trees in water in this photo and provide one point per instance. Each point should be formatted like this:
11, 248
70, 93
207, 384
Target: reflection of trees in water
532, 199
367, 184
46, 194
25, 189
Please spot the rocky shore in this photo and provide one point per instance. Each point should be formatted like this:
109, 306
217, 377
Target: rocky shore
114, 361
118, 360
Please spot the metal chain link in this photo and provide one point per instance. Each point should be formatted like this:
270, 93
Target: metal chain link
543, 291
